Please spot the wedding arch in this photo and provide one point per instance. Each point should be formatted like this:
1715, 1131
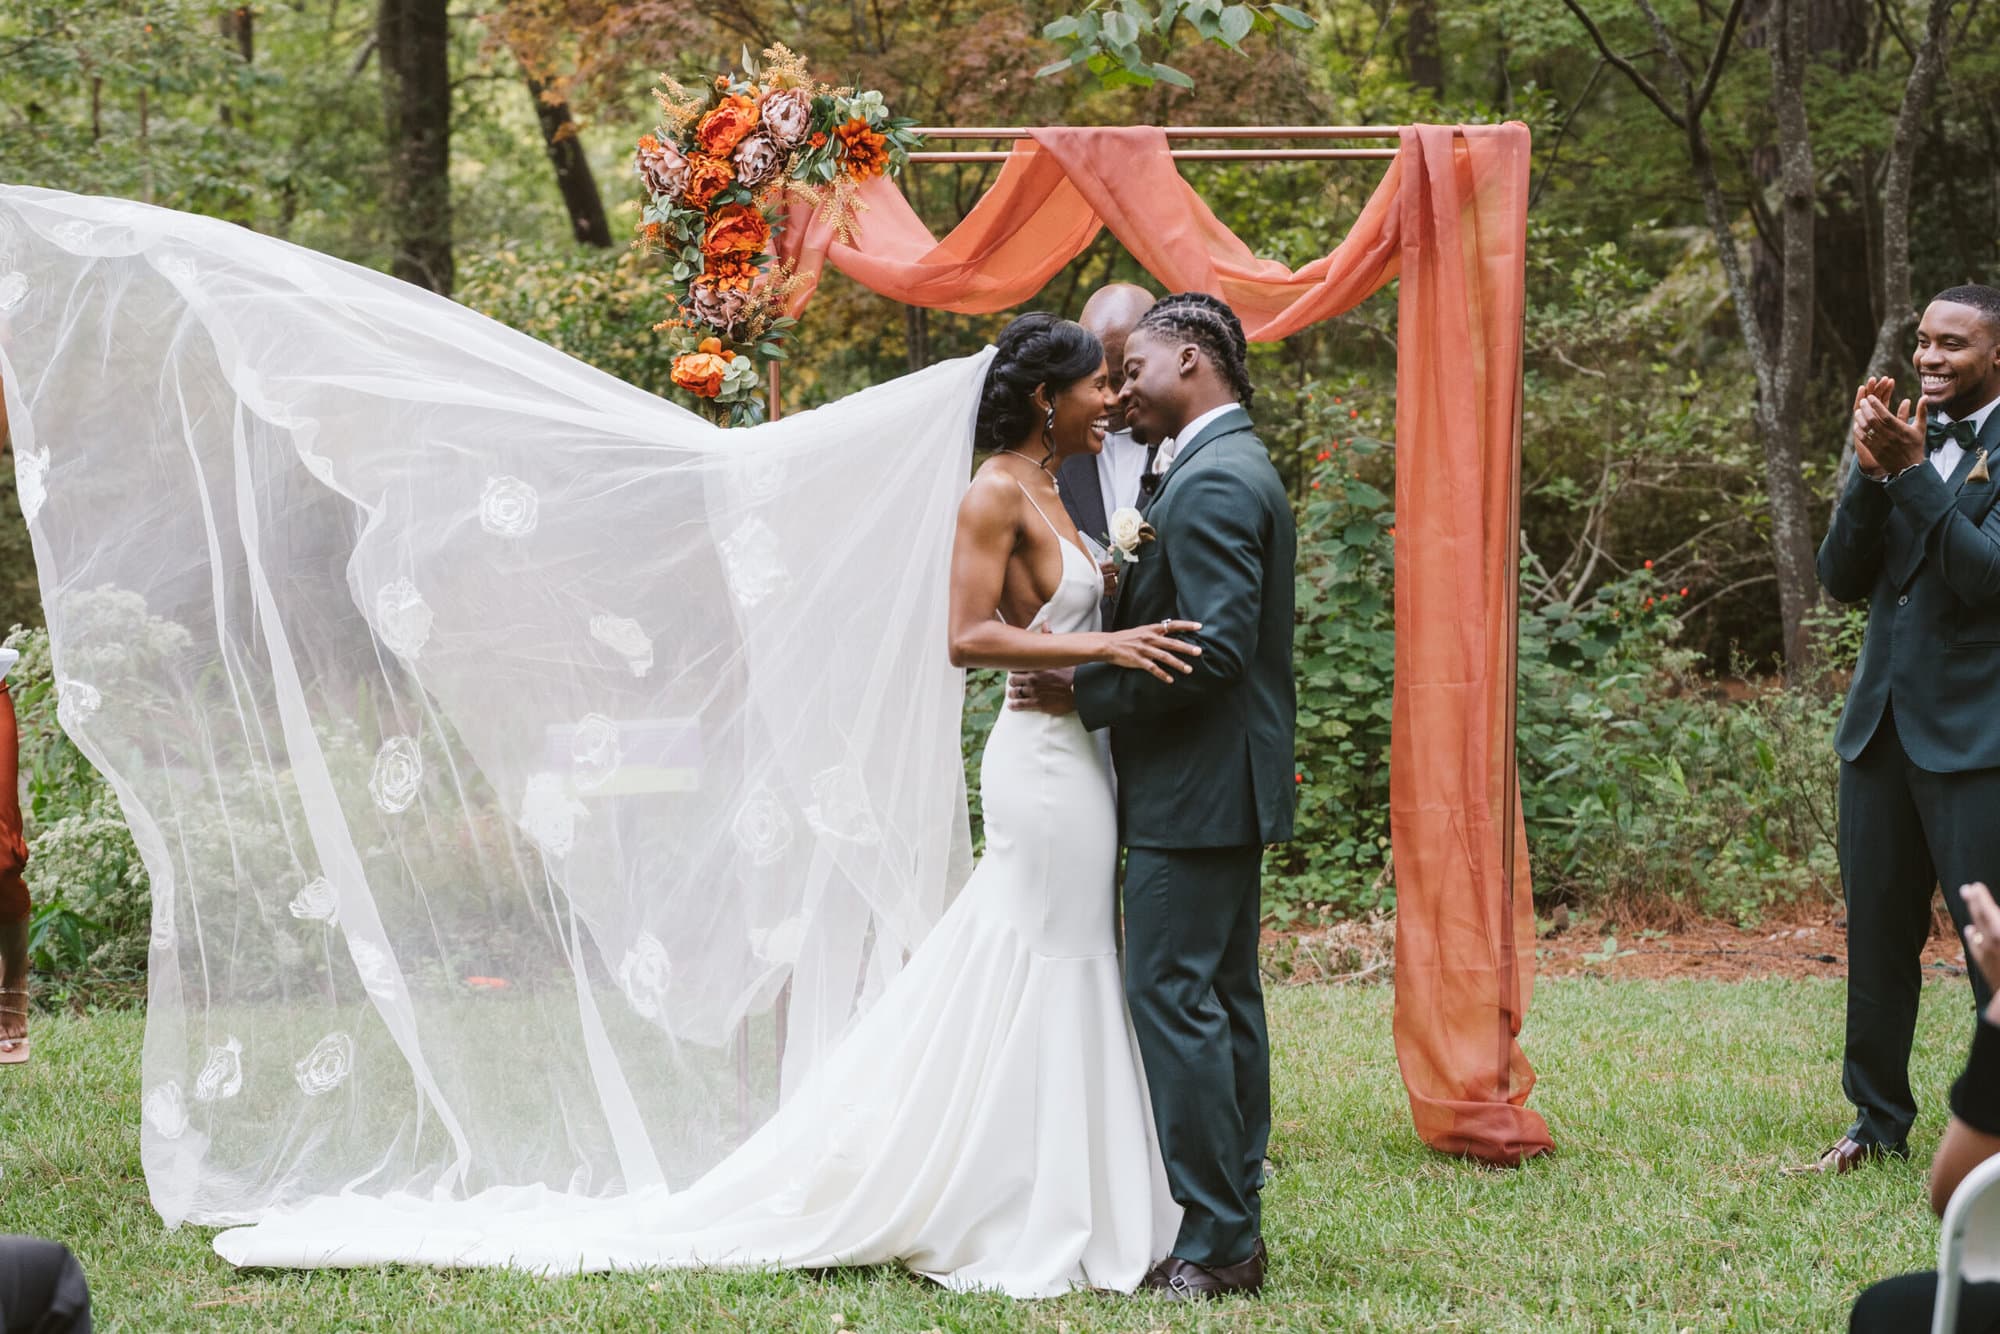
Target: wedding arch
1449, 220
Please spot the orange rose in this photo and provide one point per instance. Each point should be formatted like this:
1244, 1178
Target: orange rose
737, 229
729, 273
707, 177
700, 373
723, 128
866, 151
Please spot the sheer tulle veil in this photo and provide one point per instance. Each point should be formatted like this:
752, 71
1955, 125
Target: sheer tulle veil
533, 779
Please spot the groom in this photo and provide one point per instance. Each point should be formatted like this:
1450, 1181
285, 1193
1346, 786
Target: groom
1204, 777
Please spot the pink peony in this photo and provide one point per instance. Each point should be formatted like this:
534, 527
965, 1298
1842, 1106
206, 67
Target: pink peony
788, 116
663, 169
716, 309
758, 159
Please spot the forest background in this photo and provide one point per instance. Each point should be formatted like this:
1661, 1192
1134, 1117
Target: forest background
1736, 211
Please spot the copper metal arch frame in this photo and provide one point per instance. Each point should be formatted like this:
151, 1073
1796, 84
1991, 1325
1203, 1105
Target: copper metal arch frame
1267, 132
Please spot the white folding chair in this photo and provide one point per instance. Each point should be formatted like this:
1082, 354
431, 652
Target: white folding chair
1969, 1244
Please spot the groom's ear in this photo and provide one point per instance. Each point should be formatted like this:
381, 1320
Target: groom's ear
1190, 359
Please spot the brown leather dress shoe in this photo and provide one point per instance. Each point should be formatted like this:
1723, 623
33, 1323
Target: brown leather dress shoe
1180, 1280
1844, 1155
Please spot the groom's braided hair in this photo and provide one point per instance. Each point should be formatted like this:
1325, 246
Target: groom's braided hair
1210, 325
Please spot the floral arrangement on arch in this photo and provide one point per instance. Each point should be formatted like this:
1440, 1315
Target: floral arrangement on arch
719, 174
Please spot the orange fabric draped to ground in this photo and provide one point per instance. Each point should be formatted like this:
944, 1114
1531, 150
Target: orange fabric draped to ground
1450, 220
13, 848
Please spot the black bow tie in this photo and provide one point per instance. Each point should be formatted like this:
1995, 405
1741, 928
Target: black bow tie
1148, 484
1937, 433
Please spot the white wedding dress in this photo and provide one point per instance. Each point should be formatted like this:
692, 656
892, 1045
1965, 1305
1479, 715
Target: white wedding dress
985, 1123
553, 804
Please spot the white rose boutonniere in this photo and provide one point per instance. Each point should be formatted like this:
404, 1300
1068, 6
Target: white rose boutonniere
1129, 533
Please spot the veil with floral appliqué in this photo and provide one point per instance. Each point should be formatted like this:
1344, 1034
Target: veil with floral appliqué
534, 780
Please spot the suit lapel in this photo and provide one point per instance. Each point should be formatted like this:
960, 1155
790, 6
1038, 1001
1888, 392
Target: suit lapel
1226, 423
1907, 546
1235, 419
1083, 494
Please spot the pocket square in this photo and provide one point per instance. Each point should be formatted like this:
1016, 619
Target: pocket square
1978, 473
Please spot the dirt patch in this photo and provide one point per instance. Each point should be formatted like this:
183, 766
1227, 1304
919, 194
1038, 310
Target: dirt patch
1804, 943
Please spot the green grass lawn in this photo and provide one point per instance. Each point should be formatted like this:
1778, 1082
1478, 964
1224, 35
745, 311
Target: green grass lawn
1673, 1105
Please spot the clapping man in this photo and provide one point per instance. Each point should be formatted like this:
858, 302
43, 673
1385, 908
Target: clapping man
1917, 534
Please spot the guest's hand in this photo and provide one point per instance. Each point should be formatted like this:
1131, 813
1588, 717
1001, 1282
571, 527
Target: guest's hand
1982, 939
1109, 569
1878, 388
1894, 439
1052, 691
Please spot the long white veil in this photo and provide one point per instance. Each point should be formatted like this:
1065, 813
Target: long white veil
521, 763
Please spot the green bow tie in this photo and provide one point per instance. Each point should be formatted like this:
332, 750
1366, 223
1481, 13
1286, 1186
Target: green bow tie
1938, 432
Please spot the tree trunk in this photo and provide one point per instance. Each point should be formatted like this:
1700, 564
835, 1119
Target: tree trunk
587, 218
1779, 358
1898, 308
1791, 524
1426, 60
237, 30
1844, 291
414, 37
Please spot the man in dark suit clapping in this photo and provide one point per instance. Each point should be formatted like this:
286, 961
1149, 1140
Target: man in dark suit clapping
1918, 535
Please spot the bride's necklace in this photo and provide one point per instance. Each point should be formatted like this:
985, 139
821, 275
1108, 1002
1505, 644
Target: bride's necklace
1055, 483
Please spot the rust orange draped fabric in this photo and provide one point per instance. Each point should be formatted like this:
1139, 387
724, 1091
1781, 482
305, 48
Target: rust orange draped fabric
1450, 220
13, 848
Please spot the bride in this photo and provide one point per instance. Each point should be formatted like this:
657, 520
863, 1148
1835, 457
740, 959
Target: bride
530, 775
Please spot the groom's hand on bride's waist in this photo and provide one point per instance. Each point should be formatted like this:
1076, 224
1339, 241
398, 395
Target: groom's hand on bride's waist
1052, 691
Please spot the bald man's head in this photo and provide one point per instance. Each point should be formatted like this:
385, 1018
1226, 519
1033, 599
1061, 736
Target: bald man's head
1111, 313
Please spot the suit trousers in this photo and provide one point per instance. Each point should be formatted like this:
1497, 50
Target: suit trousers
42, 1289
1904, 1304
1903, 832
1191, 929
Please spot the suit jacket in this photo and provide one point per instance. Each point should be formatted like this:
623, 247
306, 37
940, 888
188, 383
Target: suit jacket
1206, 761
1925, 552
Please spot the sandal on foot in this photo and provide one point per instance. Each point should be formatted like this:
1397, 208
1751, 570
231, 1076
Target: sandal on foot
14, 1051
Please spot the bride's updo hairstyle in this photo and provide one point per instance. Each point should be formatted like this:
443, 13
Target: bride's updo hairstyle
1036, 349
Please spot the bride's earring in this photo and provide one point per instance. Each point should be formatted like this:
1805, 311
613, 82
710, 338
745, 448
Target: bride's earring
1049, 429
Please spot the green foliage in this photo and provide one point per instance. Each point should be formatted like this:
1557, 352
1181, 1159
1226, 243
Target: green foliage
1643, 783
1118, 41
92, 912
596, 305
1345, 655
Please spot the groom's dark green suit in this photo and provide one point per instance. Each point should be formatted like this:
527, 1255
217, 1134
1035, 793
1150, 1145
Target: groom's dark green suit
1919, 743
1204, 782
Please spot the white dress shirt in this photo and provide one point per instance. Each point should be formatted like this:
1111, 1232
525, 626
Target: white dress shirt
1120, 465
1950, 452
1171, 447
